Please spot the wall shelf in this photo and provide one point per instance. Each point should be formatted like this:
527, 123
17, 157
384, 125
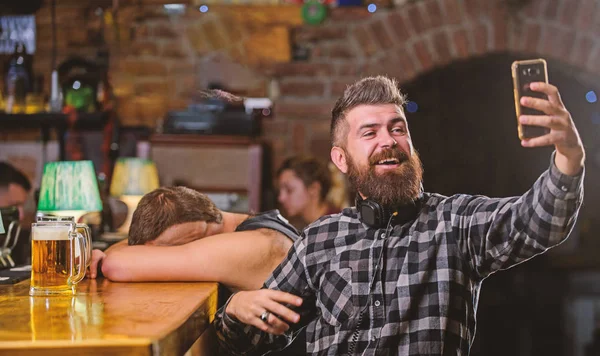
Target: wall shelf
58, 122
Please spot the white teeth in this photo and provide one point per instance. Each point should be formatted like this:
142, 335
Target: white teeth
389, 160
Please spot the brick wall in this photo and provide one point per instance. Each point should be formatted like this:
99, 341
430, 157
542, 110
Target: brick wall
159, 61
412, 39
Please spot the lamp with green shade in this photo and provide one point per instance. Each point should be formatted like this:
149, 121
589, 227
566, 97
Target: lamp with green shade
69, 188
132, 178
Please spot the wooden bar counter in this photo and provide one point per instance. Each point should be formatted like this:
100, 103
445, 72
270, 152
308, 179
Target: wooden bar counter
106, 318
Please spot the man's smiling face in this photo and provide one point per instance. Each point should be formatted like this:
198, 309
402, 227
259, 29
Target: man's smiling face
378, 156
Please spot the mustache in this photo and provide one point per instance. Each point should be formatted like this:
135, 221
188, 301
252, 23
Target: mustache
391, 153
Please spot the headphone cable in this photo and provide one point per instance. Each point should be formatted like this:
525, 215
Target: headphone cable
354, 337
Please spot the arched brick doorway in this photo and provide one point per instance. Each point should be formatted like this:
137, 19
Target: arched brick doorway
431, 33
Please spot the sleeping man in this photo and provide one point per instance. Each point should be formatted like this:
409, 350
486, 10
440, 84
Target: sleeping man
178, 234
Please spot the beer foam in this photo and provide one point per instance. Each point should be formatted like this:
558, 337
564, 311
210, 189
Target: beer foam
50, 233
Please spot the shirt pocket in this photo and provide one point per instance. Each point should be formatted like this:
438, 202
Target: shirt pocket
335, 300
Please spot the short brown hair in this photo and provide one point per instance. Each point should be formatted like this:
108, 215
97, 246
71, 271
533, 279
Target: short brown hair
309, 170
168, 206
367, 91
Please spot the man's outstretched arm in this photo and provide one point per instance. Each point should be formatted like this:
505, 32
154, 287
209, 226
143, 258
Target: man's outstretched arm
240, 260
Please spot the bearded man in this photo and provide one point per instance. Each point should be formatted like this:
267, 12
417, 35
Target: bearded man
401, 272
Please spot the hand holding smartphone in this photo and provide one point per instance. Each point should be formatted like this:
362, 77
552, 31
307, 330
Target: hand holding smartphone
524, 73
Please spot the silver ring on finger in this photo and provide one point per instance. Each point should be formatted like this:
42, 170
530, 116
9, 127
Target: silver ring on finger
265, 316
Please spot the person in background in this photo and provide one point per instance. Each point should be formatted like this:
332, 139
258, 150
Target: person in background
304, 184
14, 188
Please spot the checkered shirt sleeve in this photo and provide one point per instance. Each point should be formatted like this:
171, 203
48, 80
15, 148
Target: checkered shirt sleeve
497, 233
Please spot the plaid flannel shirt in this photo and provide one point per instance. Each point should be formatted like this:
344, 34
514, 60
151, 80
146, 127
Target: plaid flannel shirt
410, 289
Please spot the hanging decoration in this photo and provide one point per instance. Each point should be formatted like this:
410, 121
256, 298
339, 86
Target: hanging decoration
314, 12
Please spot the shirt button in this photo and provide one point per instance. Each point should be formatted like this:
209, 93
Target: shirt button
377, 303
373, 338
563, 188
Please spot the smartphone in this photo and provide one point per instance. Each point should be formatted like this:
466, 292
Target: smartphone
524, 73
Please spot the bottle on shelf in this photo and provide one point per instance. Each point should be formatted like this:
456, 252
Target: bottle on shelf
18, 79
35, 100
56, 97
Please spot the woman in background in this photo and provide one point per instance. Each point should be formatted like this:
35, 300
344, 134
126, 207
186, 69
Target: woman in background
304, 184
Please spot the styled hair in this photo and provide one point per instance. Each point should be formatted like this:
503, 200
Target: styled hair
168, 206
309, 170
367, 91
10, 175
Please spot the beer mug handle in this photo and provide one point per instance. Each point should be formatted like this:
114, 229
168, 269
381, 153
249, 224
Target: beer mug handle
88, 242
74, 279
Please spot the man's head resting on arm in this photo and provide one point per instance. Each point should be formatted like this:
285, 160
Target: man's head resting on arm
174, 216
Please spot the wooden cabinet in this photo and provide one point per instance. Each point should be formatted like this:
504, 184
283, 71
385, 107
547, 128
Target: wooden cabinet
227, 168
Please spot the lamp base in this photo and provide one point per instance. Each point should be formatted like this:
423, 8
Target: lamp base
132, 202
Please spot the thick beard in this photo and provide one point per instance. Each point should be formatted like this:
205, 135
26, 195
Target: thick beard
392, 188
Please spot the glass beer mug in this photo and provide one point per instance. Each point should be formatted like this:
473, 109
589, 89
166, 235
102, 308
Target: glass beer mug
57, 263
81, 228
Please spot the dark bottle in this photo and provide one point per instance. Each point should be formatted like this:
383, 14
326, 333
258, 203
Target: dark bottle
18, 78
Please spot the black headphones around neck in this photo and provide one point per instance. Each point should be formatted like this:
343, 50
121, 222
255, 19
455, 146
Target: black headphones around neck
378, 216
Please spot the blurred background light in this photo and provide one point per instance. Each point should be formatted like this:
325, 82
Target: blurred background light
591, 97
174, 9
412, 107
